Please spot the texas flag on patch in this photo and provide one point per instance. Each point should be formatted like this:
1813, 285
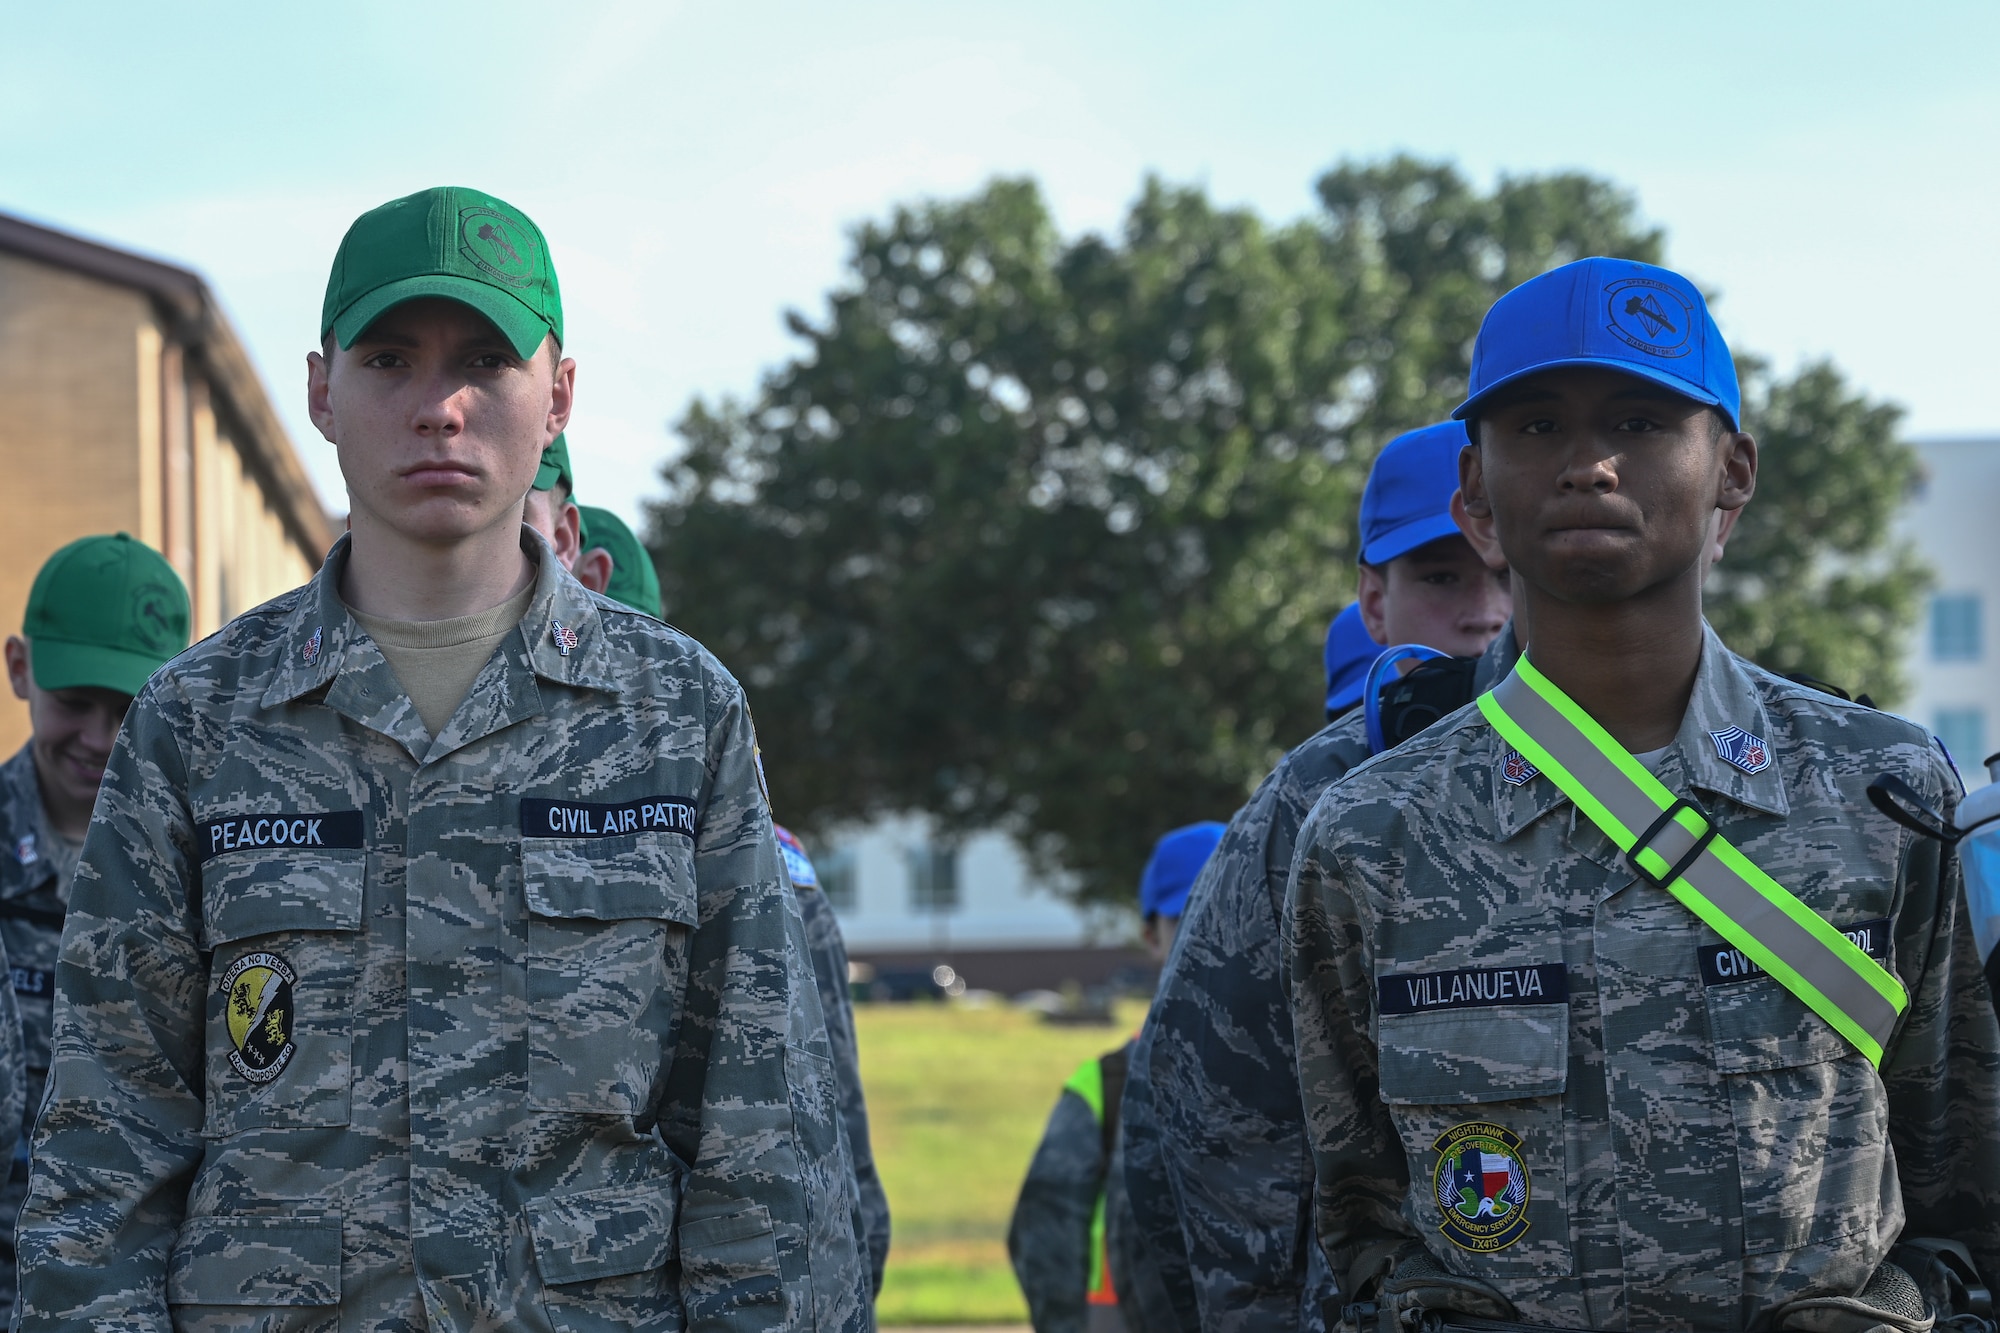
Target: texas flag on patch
1737, 746
797, 864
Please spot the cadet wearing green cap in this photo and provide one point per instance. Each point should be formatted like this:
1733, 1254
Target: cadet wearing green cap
430, 963
632, 578
552, 511
104, 614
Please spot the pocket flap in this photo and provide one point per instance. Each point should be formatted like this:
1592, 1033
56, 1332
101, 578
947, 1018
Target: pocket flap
636, 875
1479, 1055
242, 897
728, 1262
256, 1261
1759, 1025
605, 1232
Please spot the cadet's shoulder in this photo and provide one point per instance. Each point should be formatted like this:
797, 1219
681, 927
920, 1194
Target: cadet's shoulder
249, 645
1328, 754
648, 643
1831, 735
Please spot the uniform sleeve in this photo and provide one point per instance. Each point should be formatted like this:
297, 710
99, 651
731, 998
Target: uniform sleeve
120, 1130
1049, 1238
1154, 1231
766, 1237
1226, 1084
829, 959
1358, 1162
1942, 1069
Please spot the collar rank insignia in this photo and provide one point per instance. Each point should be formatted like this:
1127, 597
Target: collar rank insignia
1515, 770
566, 639
25, 851
310, 653
1737, 746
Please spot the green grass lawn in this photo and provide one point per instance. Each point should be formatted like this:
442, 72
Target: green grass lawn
957, 1098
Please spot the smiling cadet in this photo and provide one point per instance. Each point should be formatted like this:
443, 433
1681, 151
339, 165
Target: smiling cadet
1538, 1086
522, 1032
104, 614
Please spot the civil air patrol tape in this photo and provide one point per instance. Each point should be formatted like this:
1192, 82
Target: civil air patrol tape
1726, 965
543, 818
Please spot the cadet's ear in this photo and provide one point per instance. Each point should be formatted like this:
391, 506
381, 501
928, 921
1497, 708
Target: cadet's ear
1472, 510
1739, 470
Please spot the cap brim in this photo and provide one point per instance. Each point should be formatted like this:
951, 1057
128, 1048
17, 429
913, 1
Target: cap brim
1403, 540
521, 327
1692, 392
89, 666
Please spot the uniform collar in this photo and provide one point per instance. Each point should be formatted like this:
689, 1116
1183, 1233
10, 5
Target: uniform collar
1497, 660
325, 649
21, 799
1725, 697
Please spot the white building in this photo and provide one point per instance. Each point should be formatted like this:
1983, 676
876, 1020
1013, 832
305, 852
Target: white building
900, 889
1954, 660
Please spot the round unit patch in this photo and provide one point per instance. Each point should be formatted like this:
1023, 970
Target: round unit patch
497, 246
1482, 1186
257, 993
1649, 315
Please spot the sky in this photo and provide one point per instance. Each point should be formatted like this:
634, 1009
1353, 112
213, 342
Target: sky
1828, 168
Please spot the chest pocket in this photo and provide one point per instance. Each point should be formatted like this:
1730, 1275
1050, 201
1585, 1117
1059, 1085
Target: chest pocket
608, 926
1811, 1119
282, 932
1477, 1099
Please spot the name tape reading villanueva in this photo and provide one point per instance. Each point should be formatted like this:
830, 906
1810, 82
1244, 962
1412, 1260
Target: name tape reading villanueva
543, 818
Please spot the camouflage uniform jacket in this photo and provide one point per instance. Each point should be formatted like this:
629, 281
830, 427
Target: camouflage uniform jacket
513, 1027
829, 959
1227, 1203
1049, 1238
31, 916
1559, 1081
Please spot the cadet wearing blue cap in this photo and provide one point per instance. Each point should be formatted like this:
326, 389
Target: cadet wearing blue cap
1350, 649
1215, 1149
1071, 1240
1616, 1004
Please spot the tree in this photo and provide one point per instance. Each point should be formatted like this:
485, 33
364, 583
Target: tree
1042, 535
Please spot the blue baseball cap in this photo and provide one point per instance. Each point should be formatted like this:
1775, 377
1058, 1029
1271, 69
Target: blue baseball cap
1407, 501
1349, 651
1618, 314
1170, 872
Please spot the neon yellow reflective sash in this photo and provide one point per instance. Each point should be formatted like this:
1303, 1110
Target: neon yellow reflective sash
1088, 1083
1672, 844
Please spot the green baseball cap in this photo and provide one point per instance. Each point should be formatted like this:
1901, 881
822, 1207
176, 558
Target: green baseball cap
451, 242
555, 466
634, 581
105, 613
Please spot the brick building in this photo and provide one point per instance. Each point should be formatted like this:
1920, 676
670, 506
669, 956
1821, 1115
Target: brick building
127, 404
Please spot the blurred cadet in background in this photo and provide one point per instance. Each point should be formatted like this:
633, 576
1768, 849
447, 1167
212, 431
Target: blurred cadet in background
552, 511
1072, 1242
1216, 1161
103, 615
829, 959
613, 548
1350, 651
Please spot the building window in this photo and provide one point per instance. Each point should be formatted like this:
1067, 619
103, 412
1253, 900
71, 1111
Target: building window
1963, 731
839, 878
1955, 628
933, 878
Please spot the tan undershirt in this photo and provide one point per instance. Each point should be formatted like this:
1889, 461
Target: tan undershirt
437, 660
